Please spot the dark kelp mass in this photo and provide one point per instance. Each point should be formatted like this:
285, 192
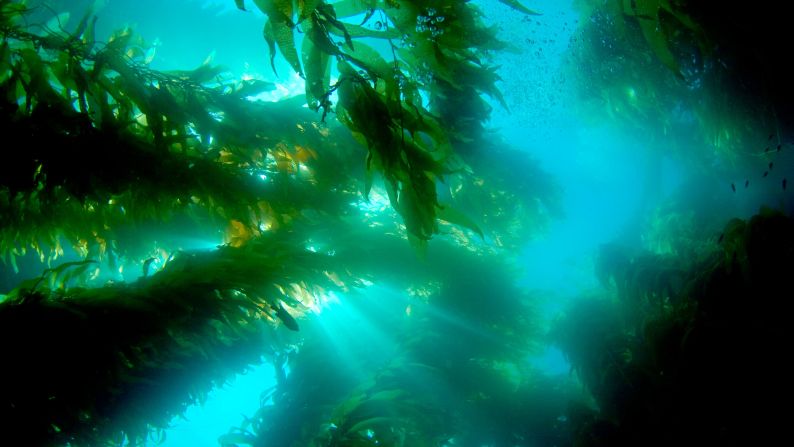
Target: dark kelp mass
166, 229
688, 356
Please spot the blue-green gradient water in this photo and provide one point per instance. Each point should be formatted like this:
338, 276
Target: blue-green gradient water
613, 180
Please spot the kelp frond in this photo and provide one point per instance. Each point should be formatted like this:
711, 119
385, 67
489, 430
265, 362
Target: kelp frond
114, 362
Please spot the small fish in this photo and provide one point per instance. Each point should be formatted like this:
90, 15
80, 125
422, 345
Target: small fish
771, 163
779, 146
722, 236
784, 184
771, 135
746, 183
766, 149
766, 173
733, 187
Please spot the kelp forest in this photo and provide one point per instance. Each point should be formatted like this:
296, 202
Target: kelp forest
408, 223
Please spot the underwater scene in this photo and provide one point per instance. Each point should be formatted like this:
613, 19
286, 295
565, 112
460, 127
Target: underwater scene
395, 223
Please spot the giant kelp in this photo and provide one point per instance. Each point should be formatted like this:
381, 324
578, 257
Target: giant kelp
90, 366
445, 363
117, 142
659, 71
705, 367
437, 49
111, 142
118, 148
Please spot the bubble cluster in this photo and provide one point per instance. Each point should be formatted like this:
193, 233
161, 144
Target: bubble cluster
430, 22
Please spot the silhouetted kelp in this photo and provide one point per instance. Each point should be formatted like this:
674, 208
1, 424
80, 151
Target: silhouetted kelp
90, 366
676, 77
705, 368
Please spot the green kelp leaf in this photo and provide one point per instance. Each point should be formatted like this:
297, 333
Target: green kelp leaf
647, 13
368, 114
317, 64
57, 25
315, 30
5, 64
83, 24
455, 217
12, 259
11, 13
204, 73
326, 16
370, 60
119, 41
270, 38
387, 395
285, 39
369, 176
88, 37
252, 87
54, 272
75, 272
279, 31
417, 205
350, 8
285, 317
362, 31
306, 8
380, 422
277, 10
515, 4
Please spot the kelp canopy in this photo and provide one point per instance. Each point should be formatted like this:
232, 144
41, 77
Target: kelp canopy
163, 230
116, 153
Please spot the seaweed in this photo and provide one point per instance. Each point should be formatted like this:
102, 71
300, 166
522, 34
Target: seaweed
120, 143
110, 156
705, 368
434, 352
658, 70
437, 49
96, 365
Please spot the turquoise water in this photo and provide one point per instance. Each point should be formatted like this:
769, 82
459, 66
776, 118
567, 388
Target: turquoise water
225, 407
